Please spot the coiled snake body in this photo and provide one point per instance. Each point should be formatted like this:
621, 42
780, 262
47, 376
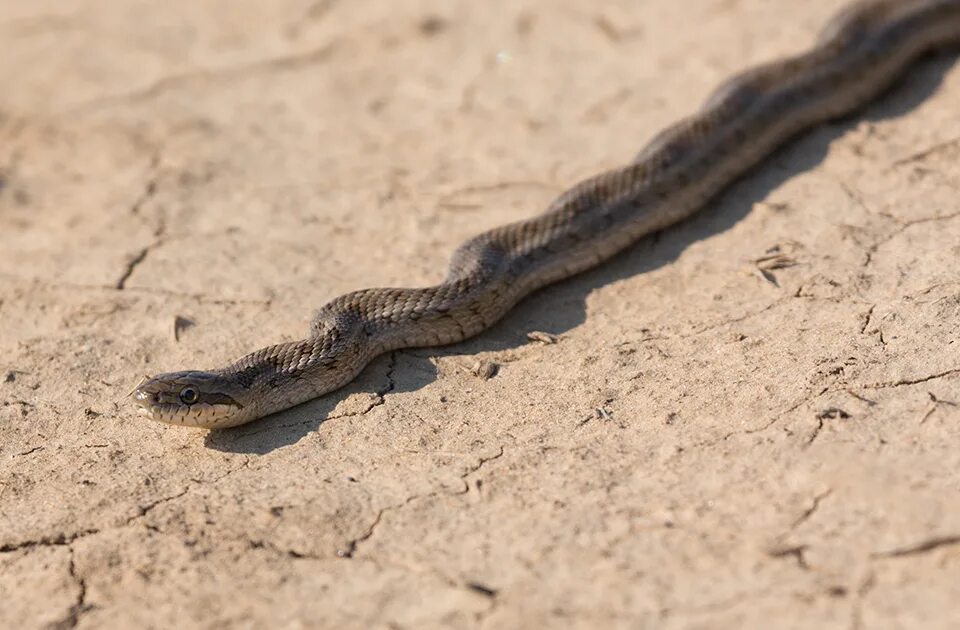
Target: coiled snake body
861, 52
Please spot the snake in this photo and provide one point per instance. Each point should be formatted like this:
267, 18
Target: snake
858, 55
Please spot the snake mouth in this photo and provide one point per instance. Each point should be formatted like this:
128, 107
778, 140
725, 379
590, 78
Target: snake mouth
147, 403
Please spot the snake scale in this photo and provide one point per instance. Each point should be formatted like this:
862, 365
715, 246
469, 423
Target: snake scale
858, 55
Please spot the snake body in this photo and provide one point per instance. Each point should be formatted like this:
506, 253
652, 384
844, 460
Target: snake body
860, 53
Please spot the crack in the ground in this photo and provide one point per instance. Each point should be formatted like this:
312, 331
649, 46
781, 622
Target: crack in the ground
190, 296
866, 319
735, 320
195, 483
924, 546
79, 605
200, 297
143, 510
806, 400
65, 539
381, 564
856, 196
935, 403
20, 403
797, 550
809, 512
149, 189
910, 381
825, 390
481, 462
925, 153
495, 598
171, 82
816, 432
715, 606
902, 226
791, 551
826, 414
61, 539
391, 384
132, 265
352, 545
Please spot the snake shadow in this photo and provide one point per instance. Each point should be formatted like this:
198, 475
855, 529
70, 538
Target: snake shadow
562, 307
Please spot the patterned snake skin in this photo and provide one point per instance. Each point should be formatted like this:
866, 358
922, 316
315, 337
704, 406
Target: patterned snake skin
860, 53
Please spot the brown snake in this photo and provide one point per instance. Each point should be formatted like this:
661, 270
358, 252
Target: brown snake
860, 53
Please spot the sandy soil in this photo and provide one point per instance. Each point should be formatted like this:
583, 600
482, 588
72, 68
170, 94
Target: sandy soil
750, 418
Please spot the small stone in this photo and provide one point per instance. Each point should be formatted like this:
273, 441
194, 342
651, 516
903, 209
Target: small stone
485, 370
180, 324
837, 591
542, 337
431, 25
483, 589
831, 413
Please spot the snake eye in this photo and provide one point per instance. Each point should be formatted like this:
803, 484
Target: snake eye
189, 395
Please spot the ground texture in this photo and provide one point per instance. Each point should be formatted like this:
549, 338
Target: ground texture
750, 419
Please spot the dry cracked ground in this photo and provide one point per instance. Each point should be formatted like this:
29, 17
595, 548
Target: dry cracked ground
751, 418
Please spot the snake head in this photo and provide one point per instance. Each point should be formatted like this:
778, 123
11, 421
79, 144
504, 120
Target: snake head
197, 399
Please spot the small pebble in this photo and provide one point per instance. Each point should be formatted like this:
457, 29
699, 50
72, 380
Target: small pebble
542, 337
485, 370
